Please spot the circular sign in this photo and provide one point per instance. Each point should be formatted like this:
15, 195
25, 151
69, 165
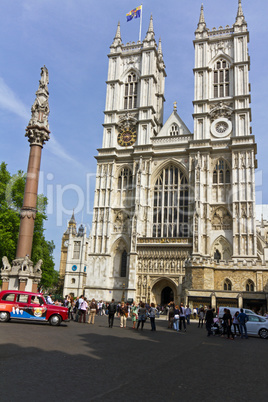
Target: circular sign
74, 267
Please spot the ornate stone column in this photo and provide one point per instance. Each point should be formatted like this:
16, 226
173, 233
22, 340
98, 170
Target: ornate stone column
37, 132
22, 274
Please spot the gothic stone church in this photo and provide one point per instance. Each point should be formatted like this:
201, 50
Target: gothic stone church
174, 211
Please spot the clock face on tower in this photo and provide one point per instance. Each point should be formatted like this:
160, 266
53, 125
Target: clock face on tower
221, 127
127, 137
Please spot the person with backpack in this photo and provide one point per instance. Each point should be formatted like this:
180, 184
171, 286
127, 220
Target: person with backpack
111, 313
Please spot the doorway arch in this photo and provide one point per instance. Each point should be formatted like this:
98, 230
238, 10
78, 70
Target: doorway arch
167, 295
165, 290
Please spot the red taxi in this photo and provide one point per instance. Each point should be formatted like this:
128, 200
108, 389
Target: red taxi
30, 306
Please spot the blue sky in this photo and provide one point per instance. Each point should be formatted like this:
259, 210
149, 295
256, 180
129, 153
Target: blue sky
72, 38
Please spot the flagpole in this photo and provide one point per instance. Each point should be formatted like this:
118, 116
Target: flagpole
140, 24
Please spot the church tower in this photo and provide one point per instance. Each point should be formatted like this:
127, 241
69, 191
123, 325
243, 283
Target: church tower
223, 152
133, 116
174, 211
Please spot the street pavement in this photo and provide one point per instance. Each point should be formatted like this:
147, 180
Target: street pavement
95, 363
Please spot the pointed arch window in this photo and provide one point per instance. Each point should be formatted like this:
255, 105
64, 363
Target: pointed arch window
227, 284
171, 204
221, 173
125, 179
123, 270
131, 91
221, 80
174, 129
76, 253
250, 286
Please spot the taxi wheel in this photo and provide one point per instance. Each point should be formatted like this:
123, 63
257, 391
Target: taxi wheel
4, 316
55, 320
263, 333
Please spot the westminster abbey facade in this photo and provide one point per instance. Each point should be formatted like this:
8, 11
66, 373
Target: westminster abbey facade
174, 211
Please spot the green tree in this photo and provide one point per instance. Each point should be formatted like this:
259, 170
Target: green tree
11, 200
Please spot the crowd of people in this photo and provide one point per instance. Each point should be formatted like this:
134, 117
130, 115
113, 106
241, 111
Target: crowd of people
178, 316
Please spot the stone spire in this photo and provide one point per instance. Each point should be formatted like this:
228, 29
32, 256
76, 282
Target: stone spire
201, 26
117, 39
240, 19
37, 130
160, 54
150, 33
72, 225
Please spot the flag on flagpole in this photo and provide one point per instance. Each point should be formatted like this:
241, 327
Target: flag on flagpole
135, 13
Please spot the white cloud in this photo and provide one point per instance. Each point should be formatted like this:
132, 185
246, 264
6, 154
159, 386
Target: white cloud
56, 148
9, 101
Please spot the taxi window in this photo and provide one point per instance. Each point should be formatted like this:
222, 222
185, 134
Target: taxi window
9, 297
22, 298
37, 300
253, 318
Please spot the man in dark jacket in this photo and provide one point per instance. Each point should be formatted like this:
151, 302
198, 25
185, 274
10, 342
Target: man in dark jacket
111, 313
209, 320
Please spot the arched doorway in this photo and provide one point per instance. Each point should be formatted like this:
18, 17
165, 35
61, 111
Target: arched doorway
167, 295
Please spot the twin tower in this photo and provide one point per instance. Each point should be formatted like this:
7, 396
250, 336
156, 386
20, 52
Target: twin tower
174, 211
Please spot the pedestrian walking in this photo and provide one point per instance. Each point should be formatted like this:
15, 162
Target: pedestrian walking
188, 313
92, 311
152, 314
141, 315
182, 317
111, 313
176, 318
201, 316
123, 314
236, 323
83, 310
209, 320
134, 314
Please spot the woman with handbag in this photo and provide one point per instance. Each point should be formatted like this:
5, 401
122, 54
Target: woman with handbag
134, 314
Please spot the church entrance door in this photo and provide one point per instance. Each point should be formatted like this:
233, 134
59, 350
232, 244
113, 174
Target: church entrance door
167, 295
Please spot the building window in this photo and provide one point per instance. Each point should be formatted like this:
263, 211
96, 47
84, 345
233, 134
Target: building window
171, 204
76, 249
73, 281
250, 286
221, 173
221, 80
131, 91
123, 271
174, 130
227, 285
125, 179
